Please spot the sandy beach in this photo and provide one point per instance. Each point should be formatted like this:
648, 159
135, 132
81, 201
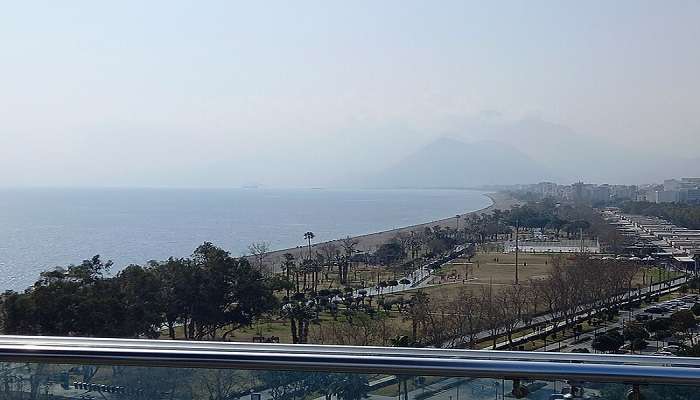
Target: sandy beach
371, 241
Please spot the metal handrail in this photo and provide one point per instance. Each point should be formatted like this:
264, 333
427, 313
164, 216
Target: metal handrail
435, 362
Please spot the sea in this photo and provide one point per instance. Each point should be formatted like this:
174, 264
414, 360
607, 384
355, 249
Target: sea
44, 228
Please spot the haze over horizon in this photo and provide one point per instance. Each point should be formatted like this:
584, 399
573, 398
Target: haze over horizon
179, 94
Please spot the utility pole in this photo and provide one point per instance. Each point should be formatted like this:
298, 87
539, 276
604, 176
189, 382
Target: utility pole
517, 229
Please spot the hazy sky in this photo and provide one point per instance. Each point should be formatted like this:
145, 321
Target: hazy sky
174, 93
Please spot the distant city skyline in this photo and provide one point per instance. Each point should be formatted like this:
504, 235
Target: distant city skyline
673, 190
180, 94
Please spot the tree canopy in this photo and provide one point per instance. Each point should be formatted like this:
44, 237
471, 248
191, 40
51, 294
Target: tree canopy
210, 295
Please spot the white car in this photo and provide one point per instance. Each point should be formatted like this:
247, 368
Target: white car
671, 348
663, 354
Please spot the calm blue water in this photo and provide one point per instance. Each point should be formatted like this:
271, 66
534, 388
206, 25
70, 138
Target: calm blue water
43, 228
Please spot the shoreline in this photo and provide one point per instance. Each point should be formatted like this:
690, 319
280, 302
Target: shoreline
371, 241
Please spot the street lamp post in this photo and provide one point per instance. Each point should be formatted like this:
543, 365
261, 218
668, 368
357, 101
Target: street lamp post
545, 339
517, 229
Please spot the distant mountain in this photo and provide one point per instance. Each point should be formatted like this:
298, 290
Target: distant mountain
582, 157
448, 162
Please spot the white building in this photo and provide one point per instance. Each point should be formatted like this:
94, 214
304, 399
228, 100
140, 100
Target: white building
560, 246
666, 196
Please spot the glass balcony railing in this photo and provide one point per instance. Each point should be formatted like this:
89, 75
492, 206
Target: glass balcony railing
77, 368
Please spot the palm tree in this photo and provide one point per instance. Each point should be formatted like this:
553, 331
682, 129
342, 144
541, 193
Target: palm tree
308, 236
307, 268
289, 266
300, 313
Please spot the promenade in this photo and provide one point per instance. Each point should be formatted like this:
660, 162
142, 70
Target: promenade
370, 242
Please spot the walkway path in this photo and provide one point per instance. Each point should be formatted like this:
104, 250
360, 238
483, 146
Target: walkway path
419, 278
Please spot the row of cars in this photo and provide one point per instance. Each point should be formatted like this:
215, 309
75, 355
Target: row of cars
679, 304
670, 350
670, 306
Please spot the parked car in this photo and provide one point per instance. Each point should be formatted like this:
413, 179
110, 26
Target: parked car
671, 349
663, 353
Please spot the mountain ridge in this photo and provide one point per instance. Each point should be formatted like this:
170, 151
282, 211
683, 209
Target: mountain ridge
451, 163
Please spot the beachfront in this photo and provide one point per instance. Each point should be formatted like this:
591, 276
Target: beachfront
371, 241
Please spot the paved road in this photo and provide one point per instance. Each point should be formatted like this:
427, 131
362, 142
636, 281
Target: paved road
476, 389
625, 317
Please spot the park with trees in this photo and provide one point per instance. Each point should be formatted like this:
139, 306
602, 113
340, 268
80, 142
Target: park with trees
336, 293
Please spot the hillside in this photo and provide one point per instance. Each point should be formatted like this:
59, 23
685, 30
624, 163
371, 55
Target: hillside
452, 163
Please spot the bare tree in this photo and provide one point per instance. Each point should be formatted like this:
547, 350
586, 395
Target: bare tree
472, 322
567, 288
404, 240
348, 244
581, 284
418, 311
329, 250
221, 384
458, 320
358, 328
513, 306
260, 251
548, 296
491, 312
